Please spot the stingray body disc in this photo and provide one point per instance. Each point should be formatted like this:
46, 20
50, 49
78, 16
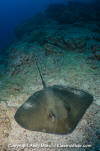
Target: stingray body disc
55, 109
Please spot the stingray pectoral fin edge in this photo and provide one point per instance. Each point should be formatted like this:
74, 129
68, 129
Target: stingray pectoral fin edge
53, 110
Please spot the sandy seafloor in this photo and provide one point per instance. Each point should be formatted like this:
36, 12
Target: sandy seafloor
20, 79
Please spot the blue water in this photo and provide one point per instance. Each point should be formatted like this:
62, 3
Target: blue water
64, 40
14, 12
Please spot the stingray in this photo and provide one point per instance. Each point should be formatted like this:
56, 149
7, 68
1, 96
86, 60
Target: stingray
54, 109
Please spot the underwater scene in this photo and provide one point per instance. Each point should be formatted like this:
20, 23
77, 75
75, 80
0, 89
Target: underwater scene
50, 75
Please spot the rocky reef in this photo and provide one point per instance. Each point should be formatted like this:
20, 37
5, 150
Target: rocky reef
71, 13
66, 41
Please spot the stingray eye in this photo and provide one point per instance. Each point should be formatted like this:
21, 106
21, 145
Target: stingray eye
51, 116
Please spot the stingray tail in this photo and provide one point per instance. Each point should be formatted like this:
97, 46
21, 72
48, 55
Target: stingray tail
43, 82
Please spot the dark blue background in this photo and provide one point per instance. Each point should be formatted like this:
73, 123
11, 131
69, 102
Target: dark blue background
14, 12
